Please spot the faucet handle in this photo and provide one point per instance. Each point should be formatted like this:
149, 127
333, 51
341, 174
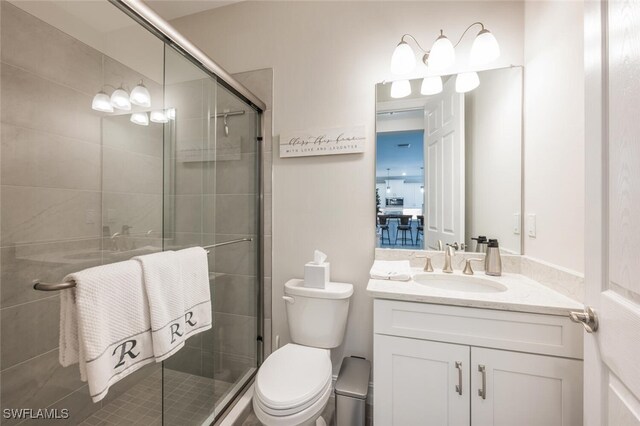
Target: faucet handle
468, 270
428, 267
440, 248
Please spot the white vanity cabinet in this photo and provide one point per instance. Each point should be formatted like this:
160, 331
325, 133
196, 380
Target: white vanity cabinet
447, 365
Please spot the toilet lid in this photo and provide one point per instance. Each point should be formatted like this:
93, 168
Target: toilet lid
293, 376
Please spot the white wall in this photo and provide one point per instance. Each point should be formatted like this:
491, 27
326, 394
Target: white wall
327, 58
493, 142
554, 131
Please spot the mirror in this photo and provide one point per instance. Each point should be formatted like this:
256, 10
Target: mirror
449, 165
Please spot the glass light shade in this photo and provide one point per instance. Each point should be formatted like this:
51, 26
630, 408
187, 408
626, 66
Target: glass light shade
120, 100
403, 60
101, 102
484, 49
140, 96
467, 81
388, 189
140, 118
422, 189
171, 113
159, 117
431, 85
442, 54
400, 89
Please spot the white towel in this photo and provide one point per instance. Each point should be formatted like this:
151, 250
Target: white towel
104, 325
162, 282
395, 270
197, 294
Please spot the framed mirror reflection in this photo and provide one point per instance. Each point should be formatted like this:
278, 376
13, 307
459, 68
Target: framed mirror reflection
449, 163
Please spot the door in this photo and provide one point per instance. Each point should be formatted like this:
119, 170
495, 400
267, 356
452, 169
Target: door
513, 388
444, 162
612, 274
420, 382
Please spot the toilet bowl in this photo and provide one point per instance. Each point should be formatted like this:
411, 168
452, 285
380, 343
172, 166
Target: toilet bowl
293, 385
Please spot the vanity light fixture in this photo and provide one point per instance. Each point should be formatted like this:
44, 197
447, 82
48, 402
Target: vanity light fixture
484, 49
159, 116
171, 113
140, 96
422, 189
442, 54
431, 85
101, 102
400, 89
467, 81
403, 60
140, 118
120, 99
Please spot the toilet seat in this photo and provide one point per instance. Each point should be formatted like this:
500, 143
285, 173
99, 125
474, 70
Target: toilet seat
293, 379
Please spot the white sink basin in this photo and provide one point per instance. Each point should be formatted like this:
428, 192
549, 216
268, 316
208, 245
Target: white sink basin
465, 284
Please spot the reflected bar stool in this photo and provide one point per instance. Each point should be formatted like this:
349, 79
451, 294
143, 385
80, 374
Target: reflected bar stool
383, 224
420, 228
404, 226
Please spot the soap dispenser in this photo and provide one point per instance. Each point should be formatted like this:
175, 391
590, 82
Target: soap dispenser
481, 244
492, 260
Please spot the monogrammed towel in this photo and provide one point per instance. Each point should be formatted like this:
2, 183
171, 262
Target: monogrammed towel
162, 278
197, 295
104, 325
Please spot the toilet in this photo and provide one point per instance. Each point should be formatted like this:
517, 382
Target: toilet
293, 385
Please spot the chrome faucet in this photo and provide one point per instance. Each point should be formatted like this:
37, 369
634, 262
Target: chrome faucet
448, 256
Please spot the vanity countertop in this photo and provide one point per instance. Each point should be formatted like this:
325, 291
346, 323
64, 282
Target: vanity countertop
522, 294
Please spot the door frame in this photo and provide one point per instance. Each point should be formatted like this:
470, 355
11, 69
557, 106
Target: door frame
596, 198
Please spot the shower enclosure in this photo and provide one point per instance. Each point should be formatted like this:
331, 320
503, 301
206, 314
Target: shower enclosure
83, 186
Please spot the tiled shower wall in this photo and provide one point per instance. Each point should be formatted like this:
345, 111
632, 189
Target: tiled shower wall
58, 182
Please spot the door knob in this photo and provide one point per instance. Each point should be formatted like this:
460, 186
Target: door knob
588, 319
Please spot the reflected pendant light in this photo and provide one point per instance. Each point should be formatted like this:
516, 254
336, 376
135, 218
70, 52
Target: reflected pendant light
120, 99
400, 89
467, 81
485, 49
159, 117
403, 60
140, 118
171, 113
431, 85
442, 54
101, 102
388, 186
140, 96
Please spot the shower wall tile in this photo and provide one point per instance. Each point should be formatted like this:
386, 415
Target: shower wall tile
236, 176
190, 178
230, 214
48, 262
267, 256
143, 212
118, 132
78, 403
37, 47
124, 171
31, 214
267, 300
38, 383
235, 294
33, 102
188, 360
237, 259
188, 211
231, 334
37, 158
188, 97
267, 226
29, 330
117, 74
228, 367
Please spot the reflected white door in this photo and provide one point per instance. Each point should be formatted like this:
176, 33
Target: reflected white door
612, 273
444, 167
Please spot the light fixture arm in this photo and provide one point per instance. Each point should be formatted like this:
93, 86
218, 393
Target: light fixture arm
465, 31
414, 40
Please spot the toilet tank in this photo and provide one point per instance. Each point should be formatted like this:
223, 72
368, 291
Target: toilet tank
317, 317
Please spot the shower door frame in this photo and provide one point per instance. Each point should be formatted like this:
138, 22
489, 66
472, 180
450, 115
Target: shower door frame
150, 20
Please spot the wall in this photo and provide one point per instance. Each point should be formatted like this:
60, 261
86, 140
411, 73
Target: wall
493, 152
554, 131
327, 58
59, 175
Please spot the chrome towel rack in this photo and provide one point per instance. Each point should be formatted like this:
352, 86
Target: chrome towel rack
40, 286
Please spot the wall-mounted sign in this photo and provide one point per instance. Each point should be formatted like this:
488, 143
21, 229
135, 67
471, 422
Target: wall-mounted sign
347, 140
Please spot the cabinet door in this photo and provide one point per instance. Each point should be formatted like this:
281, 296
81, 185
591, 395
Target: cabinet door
524, 389
419, 382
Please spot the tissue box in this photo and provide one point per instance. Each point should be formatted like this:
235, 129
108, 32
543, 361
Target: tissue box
315, 275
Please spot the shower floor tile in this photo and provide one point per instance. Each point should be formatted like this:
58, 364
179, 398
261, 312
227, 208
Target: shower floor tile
188, 400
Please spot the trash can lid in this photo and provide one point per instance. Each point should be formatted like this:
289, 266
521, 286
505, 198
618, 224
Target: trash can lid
353, 379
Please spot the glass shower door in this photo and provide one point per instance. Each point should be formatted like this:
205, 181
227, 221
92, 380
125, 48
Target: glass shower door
210, 197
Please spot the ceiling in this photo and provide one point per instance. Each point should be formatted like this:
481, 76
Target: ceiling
173, 9
400, 160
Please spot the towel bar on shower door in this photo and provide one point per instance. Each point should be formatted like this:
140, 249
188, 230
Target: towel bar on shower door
37, 285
